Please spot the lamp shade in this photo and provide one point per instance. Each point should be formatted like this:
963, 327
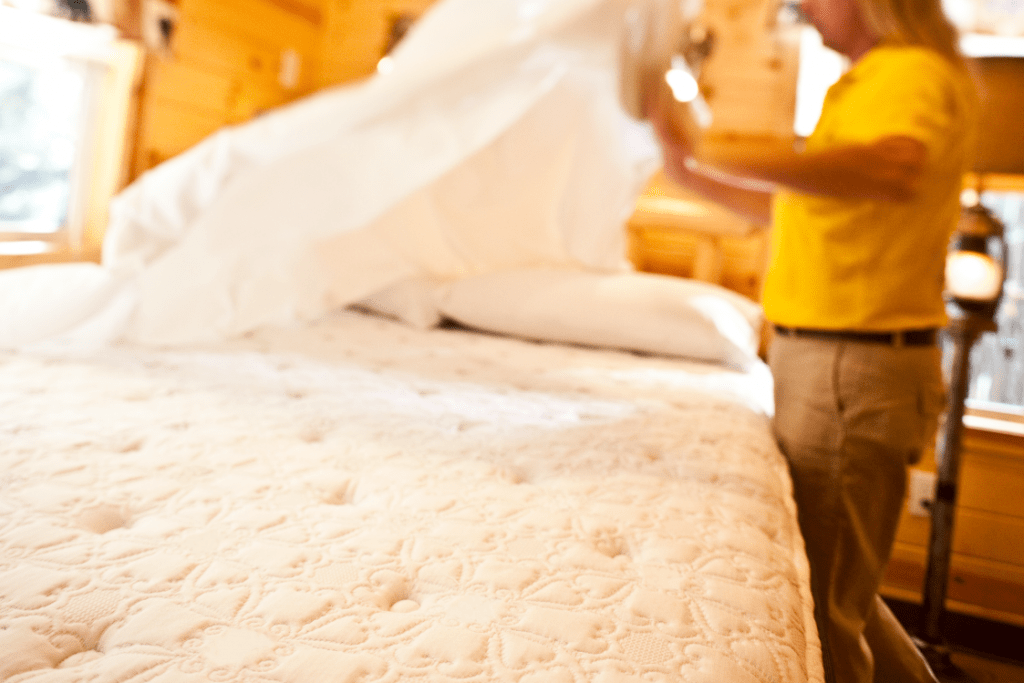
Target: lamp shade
976, 261
973, 277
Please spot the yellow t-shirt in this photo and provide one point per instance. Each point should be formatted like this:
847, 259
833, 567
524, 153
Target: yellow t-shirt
868, 264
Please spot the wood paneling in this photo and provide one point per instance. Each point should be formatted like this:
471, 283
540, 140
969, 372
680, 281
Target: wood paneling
356, 36
976, 587
1001, 148
173, 129
676, 233
190, 86
265, 21
987, 565
224, 67
749, 79
226, 56
733, 262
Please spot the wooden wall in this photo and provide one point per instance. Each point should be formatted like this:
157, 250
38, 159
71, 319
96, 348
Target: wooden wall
673, 232
222, 66
356, 35
987, 565
229, 60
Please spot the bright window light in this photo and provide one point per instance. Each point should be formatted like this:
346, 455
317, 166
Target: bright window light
24, 248
51, 72
820, 67
40, 130
684, 86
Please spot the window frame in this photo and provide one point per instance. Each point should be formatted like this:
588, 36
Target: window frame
102, 167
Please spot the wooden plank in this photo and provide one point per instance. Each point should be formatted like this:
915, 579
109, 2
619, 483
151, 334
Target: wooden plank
992, 484
676, 251
229, 51
224, 50
1001, 146
191, 86
991, 473
310, 11
749, 80
252, 98
226, 62
977, 534
169, 129
979, 588
987, 574
255, 19
1009, 447
355, 35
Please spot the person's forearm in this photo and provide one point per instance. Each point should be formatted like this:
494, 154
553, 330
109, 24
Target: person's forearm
889, 169
749, 203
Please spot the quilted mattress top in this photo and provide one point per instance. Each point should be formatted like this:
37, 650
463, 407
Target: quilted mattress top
358, 501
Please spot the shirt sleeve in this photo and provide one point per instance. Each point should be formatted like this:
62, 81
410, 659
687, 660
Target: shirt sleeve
908, 93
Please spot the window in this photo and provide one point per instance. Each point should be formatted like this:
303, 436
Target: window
997, 360
42, 106
64, 93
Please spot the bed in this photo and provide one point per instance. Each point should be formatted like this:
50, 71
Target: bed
359, 499
364, 391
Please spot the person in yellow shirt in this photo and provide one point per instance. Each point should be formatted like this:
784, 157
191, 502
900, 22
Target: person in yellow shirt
861, 218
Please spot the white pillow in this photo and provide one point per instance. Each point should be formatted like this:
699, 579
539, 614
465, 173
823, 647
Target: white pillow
657, 314
412, 301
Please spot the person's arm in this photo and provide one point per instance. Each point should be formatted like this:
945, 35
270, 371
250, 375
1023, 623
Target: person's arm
735, 194
749, 202
889, 169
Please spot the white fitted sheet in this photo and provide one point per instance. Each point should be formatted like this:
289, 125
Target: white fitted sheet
359, 501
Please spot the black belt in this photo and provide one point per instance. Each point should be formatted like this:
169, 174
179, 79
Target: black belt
926, 337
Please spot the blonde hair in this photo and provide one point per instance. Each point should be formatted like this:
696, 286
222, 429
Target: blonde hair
914, 22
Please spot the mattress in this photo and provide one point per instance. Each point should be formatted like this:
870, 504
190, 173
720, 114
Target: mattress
357, 500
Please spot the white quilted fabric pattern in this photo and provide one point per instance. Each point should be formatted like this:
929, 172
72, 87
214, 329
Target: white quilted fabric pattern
363, 502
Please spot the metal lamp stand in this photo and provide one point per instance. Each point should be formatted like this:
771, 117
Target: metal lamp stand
964, 330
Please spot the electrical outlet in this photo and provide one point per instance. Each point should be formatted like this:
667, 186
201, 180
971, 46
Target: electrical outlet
922, 493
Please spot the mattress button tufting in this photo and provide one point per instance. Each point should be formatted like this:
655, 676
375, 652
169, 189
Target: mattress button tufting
80, 659
404, 606
101, 519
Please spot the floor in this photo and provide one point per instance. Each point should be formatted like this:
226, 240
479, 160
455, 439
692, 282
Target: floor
986, 651
987, 670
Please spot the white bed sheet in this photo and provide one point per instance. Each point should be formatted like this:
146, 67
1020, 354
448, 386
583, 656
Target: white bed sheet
360, 501
496, 142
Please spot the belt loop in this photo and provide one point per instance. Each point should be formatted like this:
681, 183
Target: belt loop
899, 339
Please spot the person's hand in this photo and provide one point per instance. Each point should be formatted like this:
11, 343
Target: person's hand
669, 119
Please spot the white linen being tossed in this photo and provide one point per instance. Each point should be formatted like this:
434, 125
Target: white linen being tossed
495, 142
361, 501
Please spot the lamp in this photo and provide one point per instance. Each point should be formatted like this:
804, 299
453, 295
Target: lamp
975, 269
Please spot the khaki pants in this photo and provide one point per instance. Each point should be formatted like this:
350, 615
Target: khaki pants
850, 417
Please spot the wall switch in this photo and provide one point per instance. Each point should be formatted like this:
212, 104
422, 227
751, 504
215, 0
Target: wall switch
922, 493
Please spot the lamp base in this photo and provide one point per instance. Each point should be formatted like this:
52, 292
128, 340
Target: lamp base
942, 665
